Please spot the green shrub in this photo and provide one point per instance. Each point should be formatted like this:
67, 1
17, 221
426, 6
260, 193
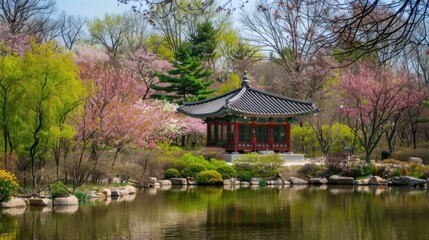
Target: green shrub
171, 173
8, 185
215, 164
263, 166
227, 172
192, 169
245, 176
416, 170
209, 177
58, 189
81, 196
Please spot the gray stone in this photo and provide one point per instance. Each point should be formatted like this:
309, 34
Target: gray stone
337, 179
39, 202
297, 181
178, 181
71, 200
317, 181
407, 181
364, 181
14, 203
415, 160
244, 184
231, 181
376, 180
277, 181
107, 192
164, 183
129, 190
152, 180
255, 181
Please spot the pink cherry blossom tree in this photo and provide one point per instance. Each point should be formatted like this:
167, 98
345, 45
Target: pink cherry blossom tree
144, 65
194, 130
11, 43
373, 98
115, 115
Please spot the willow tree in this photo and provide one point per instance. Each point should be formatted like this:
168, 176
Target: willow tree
52, 92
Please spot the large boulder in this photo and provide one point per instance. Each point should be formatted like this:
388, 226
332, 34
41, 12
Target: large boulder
178, 181
255, 181
152, 180
14, 203
337, 179
244, 183
164, 183
297, 181
231, 181
363, 181
277, 181
317, 181
376, 180
39, 202
129, 190
107, 192
415, 160
71, 200
407, 181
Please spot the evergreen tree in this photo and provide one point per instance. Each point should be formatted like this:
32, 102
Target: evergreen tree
204, 41
187, 81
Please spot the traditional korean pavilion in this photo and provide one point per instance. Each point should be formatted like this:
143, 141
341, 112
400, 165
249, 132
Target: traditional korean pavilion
249, 119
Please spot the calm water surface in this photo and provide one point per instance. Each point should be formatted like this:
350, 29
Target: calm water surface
327, 212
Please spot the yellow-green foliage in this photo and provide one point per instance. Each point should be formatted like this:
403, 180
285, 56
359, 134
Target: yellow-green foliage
187, 159
417, 170
232, 83
209, 177
304, 139
264, 166
159, 46
8, 185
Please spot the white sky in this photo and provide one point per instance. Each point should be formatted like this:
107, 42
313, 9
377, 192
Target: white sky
91, 8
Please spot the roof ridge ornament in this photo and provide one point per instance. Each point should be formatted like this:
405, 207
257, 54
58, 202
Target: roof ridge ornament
245, 82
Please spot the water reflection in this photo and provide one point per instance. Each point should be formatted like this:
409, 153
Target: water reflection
182, 212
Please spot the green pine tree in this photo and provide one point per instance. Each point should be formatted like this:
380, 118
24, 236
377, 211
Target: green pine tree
204, 41
188, 81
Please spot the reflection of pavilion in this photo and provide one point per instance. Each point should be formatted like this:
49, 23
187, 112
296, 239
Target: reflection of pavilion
248, 119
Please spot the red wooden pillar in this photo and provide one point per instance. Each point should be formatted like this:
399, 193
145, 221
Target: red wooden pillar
288, 136
253, 136
236, 135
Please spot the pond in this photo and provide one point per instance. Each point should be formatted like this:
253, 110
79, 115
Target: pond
296, 212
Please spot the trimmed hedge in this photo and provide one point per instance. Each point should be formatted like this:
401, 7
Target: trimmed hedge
227, 172
209, 177
171, 173
192, 169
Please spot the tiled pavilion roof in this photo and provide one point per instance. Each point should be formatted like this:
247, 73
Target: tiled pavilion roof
248, 101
